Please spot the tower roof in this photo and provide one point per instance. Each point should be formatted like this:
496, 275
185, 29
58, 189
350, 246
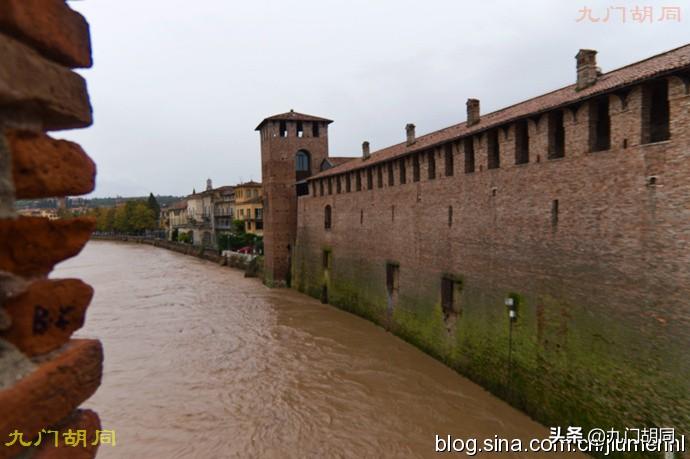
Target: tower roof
293, 116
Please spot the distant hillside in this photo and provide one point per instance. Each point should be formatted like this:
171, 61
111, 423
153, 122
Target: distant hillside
51, 203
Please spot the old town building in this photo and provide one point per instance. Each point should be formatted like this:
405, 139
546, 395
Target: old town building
203, 217
249, 206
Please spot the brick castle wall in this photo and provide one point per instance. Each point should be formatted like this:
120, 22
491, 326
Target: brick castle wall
44, 374
601, 278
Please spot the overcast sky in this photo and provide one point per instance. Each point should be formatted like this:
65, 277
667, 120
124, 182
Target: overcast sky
179, 86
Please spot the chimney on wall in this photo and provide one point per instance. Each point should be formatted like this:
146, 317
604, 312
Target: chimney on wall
472, 112
587, 71
365, 150
410, 134
209, 185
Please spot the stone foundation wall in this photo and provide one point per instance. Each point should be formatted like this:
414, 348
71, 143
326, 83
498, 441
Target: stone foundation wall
44, 374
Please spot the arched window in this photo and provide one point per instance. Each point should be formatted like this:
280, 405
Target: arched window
302, 165
327, 218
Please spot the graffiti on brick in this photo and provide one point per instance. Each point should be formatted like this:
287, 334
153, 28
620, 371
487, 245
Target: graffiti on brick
43, 319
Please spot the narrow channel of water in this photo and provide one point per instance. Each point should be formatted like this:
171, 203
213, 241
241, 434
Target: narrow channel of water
203, 363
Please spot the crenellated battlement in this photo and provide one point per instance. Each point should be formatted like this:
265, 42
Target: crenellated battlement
624, 109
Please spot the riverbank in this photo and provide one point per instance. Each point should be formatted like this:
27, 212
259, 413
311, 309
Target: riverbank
252, 267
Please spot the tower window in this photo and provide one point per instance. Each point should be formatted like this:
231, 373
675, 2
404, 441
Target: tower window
327, 218
448, 152
321, 187
330, 186
302, 165
300, 129
554, 214
391, 176
358, 180
655, 112
379, 175
315, 129
521, 142
403, 172
348, 183
415, 167
283, 129
431, 164
599, 125
556, 135
468, 144
338, 185
370, 178
494, 160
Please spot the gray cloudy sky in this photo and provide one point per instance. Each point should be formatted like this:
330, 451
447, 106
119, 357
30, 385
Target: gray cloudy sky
179, 86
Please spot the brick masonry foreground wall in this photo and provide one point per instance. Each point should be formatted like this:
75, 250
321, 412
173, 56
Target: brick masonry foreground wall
44, 374
603, 327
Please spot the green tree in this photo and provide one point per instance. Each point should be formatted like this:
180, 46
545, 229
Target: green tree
101, 215
110, 219
141, 217
121, 219
238, 227
152, 203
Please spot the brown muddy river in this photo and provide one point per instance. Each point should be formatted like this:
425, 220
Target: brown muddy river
203, 363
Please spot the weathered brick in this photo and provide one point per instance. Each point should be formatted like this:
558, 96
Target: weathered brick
80, 420
46, 314
52, 392
28, 80
31, 246
52, 27
44, 167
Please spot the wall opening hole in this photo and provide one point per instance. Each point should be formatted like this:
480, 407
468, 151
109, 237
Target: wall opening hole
494, 161
392, 285
431, 164
655, 112
327, 218
599, 125
450, 301
556, 135
521, 142
468, 144
448, 153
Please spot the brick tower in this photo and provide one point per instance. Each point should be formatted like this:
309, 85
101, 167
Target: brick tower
293, 146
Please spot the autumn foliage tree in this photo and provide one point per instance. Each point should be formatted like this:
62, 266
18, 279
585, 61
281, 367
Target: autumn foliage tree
132, 217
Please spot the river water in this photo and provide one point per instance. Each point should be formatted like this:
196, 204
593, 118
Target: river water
203, 363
